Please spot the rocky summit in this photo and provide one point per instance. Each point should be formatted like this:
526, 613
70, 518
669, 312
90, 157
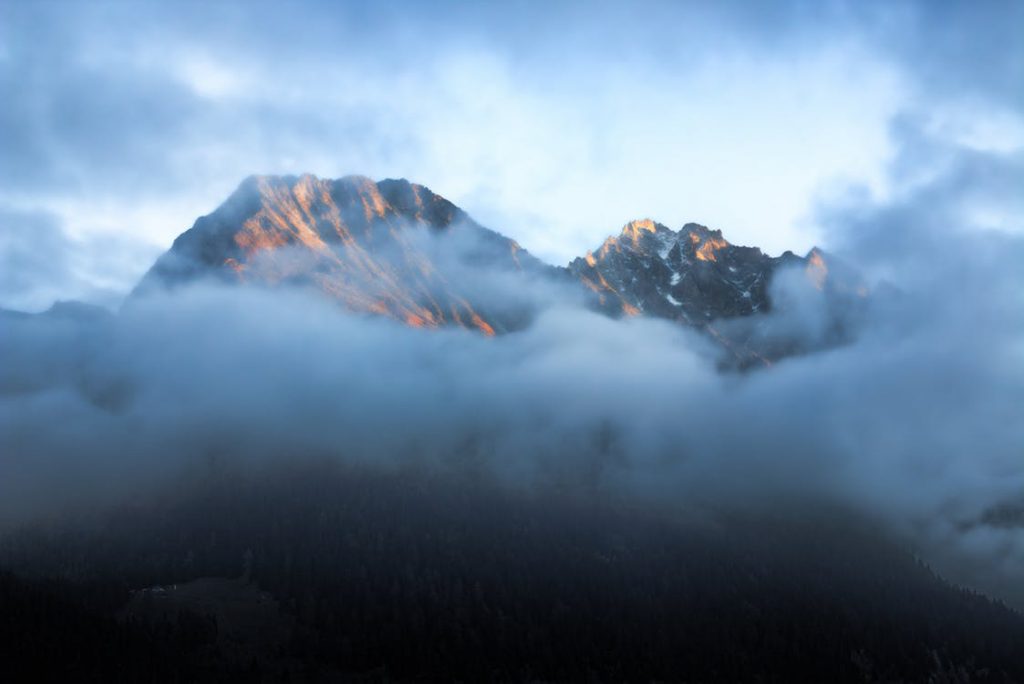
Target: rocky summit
367, 245
692, 275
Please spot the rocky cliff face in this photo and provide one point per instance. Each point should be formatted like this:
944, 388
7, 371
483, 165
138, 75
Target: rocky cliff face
696, 277
692, 275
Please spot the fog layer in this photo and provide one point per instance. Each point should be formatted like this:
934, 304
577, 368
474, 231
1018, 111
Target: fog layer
916, 425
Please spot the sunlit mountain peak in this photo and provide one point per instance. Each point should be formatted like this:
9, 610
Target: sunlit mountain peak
371, 246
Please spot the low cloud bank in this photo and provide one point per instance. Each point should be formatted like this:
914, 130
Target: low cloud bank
915, 425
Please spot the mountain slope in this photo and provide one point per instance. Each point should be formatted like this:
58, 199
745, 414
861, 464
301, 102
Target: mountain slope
368, 245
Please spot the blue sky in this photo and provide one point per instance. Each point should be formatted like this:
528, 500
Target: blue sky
552, 123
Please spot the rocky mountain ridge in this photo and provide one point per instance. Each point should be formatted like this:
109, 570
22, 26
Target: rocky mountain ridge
362, 243
397, 249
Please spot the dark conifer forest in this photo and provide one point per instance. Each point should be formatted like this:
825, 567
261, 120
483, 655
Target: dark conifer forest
407, 576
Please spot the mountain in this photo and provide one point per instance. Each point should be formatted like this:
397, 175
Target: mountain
692, 275
368, 245
696, 277
397, 249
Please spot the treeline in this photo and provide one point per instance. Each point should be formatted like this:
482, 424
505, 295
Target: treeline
407, 576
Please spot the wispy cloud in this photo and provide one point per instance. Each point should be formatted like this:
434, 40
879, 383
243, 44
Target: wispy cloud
730, 115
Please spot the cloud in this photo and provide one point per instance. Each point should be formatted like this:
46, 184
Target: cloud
553, 137
912, 425
42, 264
138, 118
35, 255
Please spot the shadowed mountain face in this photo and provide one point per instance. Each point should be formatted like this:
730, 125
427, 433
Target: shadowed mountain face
696, 277
369, 245
692, 275
396, 249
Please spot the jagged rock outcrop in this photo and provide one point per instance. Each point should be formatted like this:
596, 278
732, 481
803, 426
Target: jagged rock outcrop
698, 278
692, 275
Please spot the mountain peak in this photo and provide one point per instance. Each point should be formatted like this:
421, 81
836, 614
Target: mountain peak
365, 244
693, 275
397, 249
635, 229
634, 236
